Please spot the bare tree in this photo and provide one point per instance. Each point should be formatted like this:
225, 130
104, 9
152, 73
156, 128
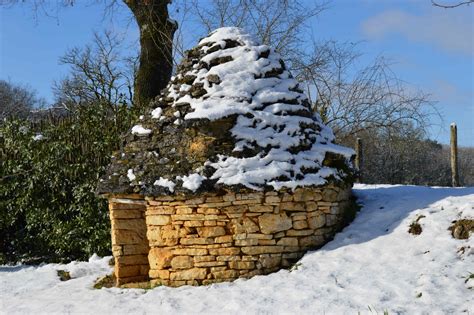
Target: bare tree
156, 39
278, 23
352, 99
99, 73
451, 6
17, 101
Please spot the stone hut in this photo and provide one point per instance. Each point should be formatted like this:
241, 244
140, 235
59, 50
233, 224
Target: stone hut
229, 175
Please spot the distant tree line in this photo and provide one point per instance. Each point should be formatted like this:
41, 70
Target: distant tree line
52, 157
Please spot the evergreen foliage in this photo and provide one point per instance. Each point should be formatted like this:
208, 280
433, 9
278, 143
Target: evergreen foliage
48, 174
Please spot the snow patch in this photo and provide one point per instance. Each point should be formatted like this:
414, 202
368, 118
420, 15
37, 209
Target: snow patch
156, 113
164, 182
139, 129
130, 175
192, 182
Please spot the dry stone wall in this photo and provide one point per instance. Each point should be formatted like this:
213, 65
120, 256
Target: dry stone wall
215, 238
129, 243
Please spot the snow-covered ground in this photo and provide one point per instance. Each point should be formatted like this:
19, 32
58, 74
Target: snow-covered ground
373, 266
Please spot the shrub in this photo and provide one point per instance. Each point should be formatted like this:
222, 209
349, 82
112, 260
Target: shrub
48, 173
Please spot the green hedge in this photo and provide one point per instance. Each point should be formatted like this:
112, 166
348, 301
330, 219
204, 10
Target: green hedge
48, 209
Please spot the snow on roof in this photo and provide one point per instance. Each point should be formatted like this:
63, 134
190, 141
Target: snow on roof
278, 140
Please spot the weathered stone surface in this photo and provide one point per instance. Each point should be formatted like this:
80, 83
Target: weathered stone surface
311, 241
256, 250
244, 225
241, 264
271, 223
132, 260
292, 206
127, 214
224, 251
159, 273
270, 262
160, 258
190, 274
288, 241
317, 221
122, 237
211, 231
181, 262
299, 225
190, 251
329, 195
193, 244
226, 274
158, 219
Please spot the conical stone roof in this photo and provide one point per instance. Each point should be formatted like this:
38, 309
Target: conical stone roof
232, 118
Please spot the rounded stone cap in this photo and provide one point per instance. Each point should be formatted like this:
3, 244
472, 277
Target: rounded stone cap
232, 118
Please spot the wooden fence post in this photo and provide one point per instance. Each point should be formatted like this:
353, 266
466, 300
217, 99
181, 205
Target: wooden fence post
454, 155
358, 158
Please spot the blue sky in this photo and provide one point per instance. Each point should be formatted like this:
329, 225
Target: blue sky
430, 48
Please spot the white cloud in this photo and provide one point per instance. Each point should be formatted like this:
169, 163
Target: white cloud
450, 30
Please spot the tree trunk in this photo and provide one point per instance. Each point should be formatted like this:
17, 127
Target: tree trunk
156, 42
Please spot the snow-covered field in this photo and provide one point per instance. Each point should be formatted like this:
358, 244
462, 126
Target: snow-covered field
373, 266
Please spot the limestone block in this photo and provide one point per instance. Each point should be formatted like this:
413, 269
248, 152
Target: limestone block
223, 239
181, 262
311, 206
288, 241
299, 232
311, 241
161, 274
271, 223
134, 249
135, 225
266, 242
190, 274
194, 223
195, 201
190, 251
246, 242
210, 223
228, 258
236, 209
211, 231
260, 236
317, 221
198, 259
160, 210
160, 258
225, 274
214, 199
122, 237
216, 204
260, 208
292, 206
299, 225
122, 271
132, 260
272, 200
196, 241
126, 214
241, 264
184, 210
329, 195
243, 225
225, 251
270, 262
208, 211
210, 264
256, 250
158, 219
